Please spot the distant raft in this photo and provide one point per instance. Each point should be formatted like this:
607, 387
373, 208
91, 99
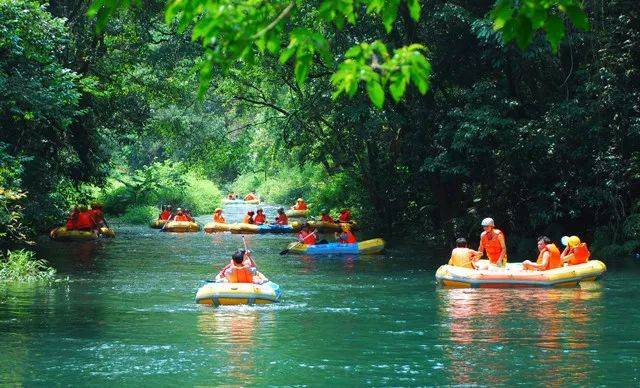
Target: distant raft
515, 276
223, 294
242, 228
62, 234
291, 213
181, 227
331, 226
367, 247
228, 201
158, 224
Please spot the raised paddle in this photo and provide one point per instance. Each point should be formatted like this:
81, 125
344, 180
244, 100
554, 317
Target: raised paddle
284, 252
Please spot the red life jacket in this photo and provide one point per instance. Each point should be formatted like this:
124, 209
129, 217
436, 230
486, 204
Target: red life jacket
249, 197
581, 254
181, 217
348, 237
98, 215
85, 221
344, 216
327, 218
260, 219
300, 206
310, 240
554, 260
217, 217
491, 244
282, 219
165, 215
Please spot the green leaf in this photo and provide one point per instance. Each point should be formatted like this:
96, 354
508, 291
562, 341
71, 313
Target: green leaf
376, 93
523, 32
414, 9
577, 17
502, 12
302, 67
555, 31
353, 52
389, 14
287, 54
398, 87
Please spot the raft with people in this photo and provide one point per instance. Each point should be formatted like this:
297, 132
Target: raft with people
63, 234
250, 199
366, 247
222, 294
83, 224
181, 227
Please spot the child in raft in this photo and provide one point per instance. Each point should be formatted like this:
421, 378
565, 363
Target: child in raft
576, 252
240, 270
462, 256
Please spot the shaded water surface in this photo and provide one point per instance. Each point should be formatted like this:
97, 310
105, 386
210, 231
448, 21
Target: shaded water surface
127, 316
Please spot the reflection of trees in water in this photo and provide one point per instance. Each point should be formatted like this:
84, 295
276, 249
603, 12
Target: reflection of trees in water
235, 331
553, 327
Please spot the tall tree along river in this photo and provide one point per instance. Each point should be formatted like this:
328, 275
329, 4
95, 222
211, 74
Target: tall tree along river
127, 315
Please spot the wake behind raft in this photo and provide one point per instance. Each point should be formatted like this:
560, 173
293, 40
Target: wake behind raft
230, 294
514, 276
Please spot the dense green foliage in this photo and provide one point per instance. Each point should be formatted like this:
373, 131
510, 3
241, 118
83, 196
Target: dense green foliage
421, 115
21, 266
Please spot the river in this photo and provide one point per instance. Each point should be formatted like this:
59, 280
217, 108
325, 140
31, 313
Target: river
127, 316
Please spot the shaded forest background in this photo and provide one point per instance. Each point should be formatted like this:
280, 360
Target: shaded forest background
543, 142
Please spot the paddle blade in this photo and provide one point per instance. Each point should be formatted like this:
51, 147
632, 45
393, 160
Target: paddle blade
284, 252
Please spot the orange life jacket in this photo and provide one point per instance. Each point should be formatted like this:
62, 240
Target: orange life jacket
344, 216
97, 214
249, 197
165, 215
72, 220
181, 217
348, 237
247, 219
260, 219
217, 217
581, 254
282, 219
240, 275
85, 221
554, 260
492, 245
461, 257
327, 218
307, 237
300, 206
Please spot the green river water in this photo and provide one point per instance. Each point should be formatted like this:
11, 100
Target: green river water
127, 317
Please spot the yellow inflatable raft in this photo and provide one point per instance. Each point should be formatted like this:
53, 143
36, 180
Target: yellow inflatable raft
217, 294
62, 234
242, 228
213, 227
514, 276
331, 227
158, 224
291, 213
367, 247
181, 227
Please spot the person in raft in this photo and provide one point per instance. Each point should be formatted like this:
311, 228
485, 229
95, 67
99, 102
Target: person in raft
98, 215
72, 220
85, 220
325, 217
576, 252
281, 218
300, 205
309, 235
250, 197
260, 218
548, 258
462, 256
492, 242
346, 236
217, 216
241, 269
166, 213
345, 216
231, 196
248, 218
180, 216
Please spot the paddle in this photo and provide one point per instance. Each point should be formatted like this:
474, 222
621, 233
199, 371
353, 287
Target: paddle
284, 252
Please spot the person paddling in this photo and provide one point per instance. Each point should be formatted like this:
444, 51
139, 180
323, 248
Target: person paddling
166, 213
307, 235
492, 241
248, 218
180, 216
462, 256
347, 236
548, 258
325, 217
260, 218
217, 216
300, 205
72, 220
345, 215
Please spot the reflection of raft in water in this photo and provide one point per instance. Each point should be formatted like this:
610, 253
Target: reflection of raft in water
181, 227
62, 234
515, 276
218, 294
367, 247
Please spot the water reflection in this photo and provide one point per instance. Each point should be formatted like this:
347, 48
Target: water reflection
484, 325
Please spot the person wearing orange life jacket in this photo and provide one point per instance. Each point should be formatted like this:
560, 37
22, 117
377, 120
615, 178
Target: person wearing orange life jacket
300, 205
239, 272
85, 220
166, 213
231, 196
72, 220
180, 216
345, 215
250, 197
492, 242
347, 236
462, 256
325, 217
260, 218
248, 218
187, 213
576, 252
217, 216
98, 215
307, 235
548, 258
247, 261
281, 218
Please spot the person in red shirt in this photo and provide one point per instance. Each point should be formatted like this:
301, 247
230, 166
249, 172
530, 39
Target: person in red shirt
166, 213
325, 217
180, 216
347, 236
217, 216
260, 218
345, 215
308, 235
85, 220
300, 205
248, 219
250, 197
98, 215
72, 220
281, 218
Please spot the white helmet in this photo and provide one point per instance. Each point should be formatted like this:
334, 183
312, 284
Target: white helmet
488, 222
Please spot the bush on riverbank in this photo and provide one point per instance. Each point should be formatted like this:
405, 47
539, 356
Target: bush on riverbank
138, 196
21, 266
